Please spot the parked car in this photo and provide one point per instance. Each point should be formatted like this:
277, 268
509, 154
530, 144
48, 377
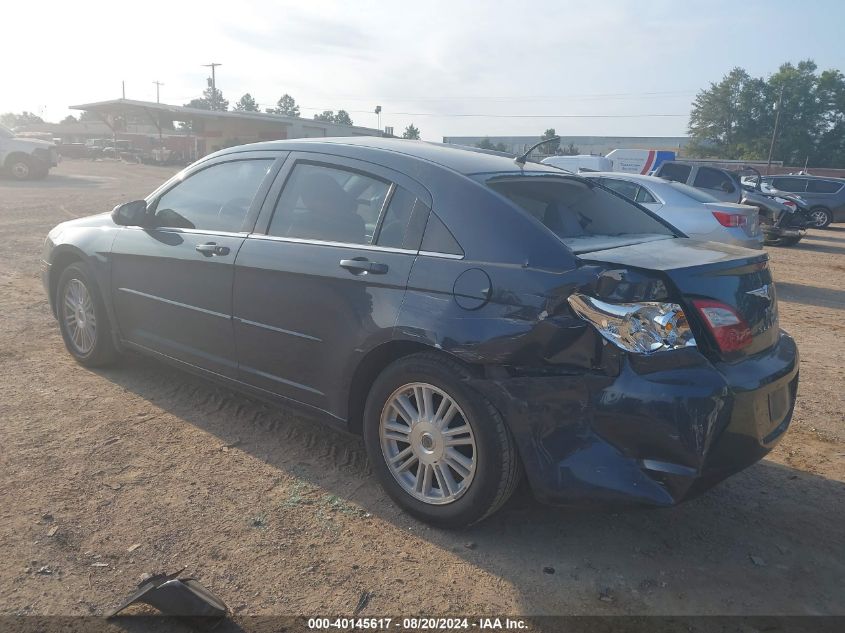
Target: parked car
825, 196
782, 222
696, 213
474, 318
26, 158
719, 183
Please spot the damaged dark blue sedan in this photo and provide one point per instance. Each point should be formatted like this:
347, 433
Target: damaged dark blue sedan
475, 318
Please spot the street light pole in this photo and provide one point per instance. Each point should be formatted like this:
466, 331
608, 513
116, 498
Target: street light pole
213, 65
775, 131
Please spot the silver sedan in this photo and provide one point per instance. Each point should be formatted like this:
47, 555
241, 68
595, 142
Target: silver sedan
695, 212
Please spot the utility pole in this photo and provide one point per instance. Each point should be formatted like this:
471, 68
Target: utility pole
775, 131
123, 88
213, 65
158, 86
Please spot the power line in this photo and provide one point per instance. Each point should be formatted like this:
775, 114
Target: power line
512, 116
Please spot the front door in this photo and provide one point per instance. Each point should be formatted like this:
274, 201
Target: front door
172, 280
323, 280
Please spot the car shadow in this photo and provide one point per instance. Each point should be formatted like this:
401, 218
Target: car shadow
824, 237
55, 181
769, 522
819, 248
811, 295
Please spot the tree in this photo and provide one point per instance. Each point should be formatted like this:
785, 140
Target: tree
343, 118
485, 143
571, 150
734, 118
87, 115
212, 99
10, 119
551, 147
285, 105
246, 104
411, 132
325, 115
70, 119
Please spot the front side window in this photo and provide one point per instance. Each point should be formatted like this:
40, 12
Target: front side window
823, 186
329, 204
585, 217
709, 178
214, 199
673, 171
793, 185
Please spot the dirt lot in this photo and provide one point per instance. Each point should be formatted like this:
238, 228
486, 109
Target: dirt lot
108, 475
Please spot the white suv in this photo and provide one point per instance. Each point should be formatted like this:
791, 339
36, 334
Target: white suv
26, 158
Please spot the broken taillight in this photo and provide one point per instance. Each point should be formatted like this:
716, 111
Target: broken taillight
728, 328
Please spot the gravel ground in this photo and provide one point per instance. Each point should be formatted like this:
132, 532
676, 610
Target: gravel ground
109, 475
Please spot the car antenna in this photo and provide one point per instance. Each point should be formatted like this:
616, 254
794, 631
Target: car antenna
520, 160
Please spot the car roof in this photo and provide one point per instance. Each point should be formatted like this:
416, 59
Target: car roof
622, 175
464, 160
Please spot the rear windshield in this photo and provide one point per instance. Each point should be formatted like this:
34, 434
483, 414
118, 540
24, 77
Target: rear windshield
696, 194
584, 216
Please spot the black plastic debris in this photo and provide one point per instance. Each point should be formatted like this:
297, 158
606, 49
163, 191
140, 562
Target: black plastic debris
178, 597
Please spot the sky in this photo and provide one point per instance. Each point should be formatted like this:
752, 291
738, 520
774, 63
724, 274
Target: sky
451, 68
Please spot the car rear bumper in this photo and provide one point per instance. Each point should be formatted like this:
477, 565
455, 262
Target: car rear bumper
652, 438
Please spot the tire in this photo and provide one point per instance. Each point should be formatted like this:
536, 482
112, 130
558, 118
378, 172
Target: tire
90, 343
480, 480
20, 168
821, 216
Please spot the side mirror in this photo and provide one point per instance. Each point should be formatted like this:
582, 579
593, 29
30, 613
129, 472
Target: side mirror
130, 213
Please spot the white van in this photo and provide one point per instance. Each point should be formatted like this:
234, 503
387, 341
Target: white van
581, 162
638, 161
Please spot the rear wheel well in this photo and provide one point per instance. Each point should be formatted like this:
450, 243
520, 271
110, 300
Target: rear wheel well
369, 369
60, 262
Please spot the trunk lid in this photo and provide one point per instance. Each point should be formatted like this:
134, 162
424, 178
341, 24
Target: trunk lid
737, 277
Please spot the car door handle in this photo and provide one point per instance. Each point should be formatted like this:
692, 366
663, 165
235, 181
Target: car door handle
210, 249
361, 265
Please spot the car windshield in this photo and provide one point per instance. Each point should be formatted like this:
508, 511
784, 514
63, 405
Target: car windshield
696, 194
6, 132
584, 216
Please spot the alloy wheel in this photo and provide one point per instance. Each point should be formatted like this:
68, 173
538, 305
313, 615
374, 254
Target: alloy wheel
427, 443
80, 320
819, 218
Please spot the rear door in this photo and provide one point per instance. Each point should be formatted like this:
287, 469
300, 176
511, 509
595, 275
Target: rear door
172, 280
718, 183
323, 276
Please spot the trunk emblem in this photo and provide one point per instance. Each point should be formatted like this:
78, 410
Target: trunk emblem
762, 292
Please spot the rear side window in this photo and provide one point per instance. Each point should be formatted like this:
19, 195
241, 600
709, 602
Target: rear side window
793, 185
644, 196
329, 204
823, 186
214, 199
438, 238
709, 178
622, 187
673, 171
584, 216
